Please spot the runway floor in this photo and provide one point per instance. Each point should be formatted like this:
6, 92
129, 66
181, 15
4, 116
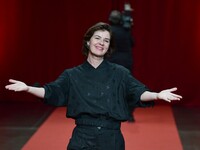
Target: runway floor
20, 120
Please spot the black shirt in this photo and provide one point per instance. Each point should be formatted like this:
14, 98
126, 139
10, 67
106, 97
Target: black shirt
100, 91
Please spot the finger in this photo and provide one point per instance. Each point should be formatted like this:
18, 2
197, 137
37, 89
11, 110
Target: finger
13, 81
173, 98
168, 100
176, 95
173, 89
9, 87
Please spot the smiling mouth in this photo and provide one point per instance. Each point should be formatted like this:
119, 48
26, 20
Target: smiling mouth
99, 48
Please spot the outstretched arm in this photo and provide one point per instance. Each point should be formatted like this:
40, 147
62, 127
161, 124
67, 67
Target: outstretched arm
19, 86
166, 95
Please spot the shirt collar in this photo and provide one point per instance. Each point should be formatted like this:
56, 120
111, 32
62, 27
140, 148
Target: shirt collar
88, 66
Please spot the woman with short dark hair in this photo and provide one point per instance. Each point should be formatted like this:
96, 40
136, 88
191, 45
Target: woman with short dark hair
95, 94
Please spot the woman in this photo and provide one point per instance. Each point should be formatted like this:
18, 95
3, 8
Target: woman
95, 94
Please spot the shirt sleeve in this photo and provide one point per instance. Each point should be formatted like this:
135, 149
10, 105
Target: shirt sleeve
135, 89
56, 92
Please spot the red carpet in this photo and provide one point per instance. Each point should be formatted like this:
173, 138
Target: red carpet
155, 129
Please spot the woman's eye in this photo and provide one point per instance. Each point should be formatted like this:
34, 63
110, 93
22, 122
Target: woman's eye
107, 41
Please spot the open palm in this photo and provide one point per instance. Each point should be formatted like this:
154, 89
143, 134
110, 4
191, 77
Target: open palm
16, 86
167, 95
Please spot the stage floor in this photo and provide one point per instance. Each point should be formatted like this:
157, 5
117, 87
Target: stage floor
20, 120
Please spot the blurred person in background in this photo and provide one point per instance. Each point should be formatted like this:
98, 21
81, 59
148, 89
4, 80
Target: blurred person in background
124, 42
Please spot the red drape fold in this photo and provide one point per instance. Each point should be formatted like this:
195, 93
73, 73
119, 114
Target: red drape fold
40, 38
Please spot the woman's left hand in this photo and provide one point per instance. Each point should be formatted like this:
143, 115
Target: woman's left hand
168, 95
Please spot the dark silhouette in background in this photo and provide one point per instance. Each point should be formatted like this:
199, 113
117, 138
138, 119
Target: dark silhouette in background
121, 27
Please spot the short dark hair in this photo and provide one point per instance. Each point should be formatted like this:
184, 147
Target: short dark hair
98, 26
115, 17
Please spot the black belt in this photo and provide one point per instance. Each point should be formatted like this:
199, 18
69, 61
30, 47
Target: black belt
102, 122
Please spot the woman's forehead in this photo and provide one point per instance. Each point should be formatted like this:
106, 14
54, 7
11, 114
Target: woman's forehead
101, 33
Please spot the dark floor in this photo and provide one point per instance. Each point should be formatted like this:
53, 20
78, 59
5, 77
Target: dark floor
188, 124
19, 120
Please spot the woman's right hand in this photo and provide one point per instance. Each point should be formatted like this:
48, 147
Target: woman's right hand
17, 86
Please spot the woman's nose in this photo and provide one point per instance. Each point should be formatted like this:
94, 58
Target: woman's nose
101, 42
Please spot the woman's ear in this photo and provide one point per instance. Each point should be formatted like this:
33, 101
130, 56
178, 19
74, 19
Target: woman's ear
88, 45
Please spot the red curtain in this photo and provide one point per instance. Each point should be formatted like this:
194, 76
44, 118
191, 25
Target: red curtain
40, 38
167, 48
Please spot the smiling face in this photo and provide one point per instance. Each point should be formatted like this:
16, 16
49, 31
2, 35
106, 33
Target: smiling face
98, 40
99, 43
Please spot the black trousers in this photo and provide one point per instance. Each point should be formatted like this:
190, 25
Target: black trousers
96, 135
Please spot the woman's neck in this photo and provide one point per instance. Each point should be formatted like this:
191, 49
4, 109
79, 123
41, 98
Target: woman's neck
94, 61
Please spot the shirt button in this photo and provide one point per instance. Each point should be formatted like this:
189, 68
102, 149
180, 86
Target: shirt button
99, 128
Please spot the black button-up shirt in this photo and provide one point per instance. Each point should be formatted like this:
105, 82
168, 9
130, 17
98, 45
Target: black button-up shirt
101, 91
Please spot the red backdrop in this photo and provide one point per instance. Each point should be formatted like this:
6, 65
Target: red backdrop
40, 38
